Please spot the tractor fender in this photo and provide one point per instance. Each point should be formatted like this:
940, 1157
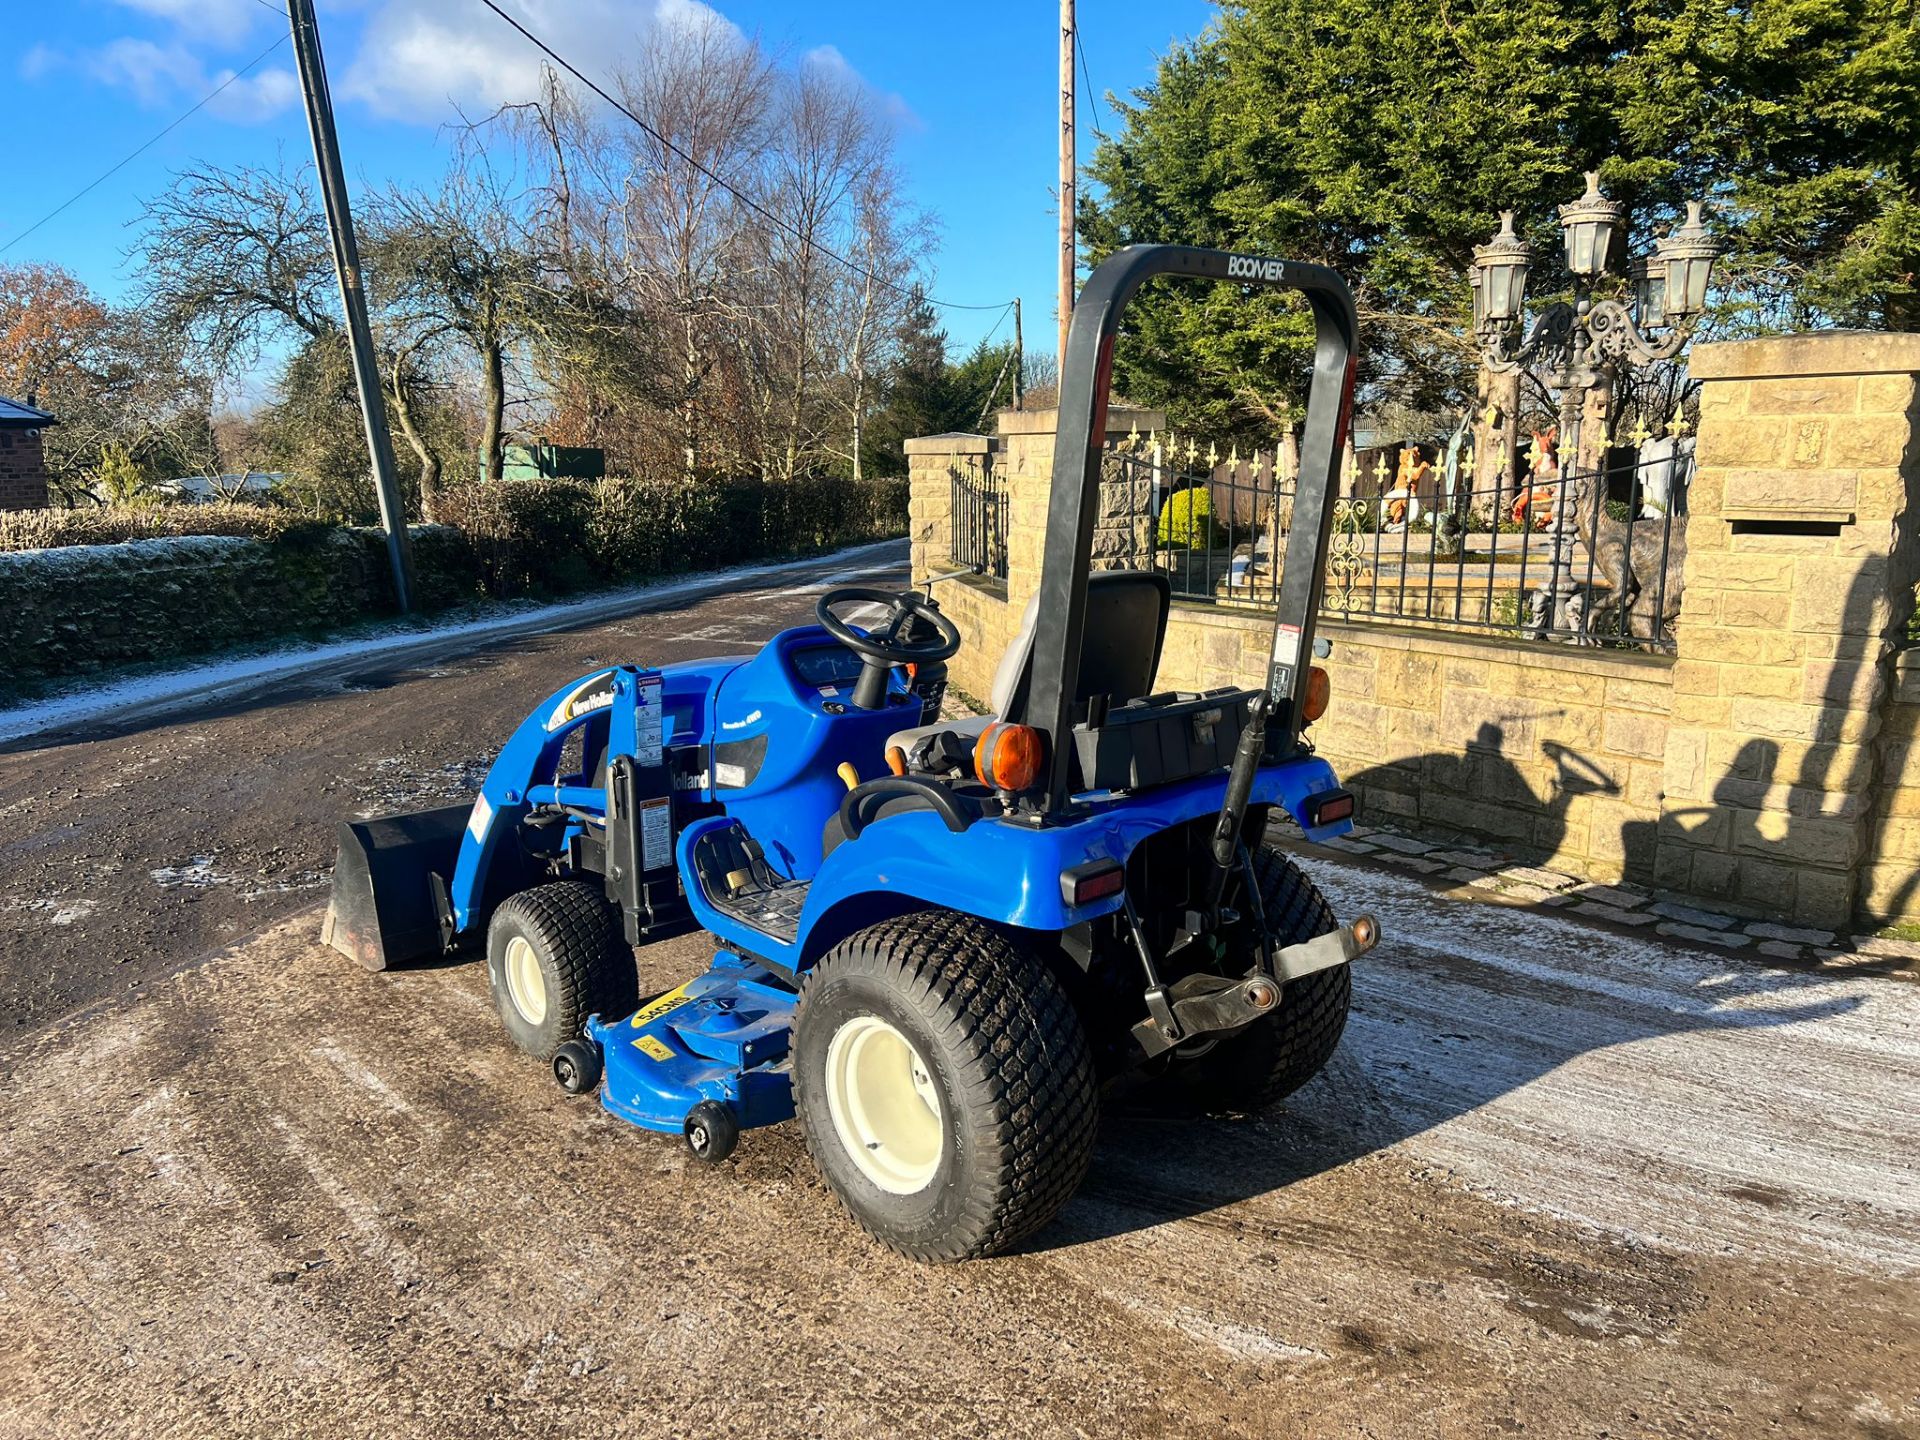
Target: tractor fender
1002, 871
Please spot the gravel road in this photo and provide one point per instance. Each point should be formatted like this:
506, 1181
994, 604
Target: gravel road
1557, 1181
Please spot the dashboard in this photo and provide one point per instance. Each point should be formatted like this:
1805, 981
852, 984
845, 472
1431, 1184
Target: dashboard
821, 666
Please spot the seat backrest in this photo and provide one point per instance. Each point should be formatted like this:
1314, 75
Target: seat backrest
1119, 648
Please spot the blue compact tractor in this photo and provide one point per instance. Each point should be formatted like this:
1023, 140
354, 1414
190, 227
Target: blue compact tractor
935, 941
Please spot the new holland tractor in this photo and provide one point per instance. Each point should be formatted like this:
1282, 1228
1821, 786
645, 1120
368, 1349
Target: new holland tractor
936, 942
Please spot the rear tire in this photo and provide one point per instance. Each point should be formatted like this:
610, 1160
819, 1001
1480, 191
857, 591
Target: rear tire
944, 1085
1277, 1054
555, 955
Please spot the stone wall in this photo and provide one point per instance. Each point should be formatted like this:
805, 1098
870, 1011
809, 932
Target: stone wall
23, 470
1800, 569
1890, 878
1553, 752
988, 610
1773, 769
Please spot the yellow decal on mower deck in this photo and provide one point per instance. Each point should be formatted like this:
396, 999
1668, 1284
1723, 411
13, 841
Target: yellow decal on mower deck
654, 1046
665, 1005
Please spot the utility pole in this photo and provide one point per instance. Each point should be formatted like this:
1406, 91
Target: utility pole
1067, 167
353, 297
1019, 359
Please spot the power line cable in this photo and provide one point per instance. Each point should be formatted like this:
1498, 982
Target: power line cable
135, 154
1093, 96
721, 181
993, 388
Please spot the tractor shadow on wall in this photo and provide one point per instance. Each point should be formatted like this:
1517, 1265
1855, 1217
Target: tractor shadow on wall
1462, 1006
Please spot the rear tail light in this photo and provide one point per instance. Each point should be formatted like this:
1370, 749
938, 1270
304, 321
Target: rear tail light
1327, 807
1096, 880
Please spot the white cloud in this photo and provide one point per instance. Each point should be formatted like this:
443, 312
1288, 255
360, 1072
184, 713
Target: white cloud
224, 21
161, 75
256, 97
40, 61
419, 58
152, 74
828, 59
413, 60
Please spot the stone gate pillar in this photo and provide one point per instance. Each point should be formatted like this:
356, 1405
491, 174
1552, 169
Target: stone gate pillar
1799, 572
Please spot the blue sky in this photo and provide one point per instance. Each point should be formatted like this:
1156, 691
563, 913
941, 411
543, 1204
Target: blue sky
974, 86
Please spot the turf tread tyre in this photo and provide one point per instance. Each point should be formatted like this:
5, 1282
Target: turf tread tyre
1014, 1065
585, 962
1274, 1057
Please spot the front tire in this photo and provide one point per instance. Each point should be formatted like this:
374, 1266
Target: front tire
1278, 1053
944, 1086
555, 955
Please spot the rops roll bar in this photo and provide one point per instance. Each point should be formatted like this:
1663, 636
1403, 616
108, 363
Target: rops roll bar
1071, 510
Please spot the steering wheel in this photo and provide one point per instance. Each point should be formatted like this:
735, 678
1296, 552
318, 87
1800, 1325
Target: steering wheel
890, 643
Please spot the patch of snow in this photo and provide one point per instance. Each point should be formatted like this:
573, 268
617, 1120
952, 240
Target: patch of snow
55, 911
194, 874
305, 880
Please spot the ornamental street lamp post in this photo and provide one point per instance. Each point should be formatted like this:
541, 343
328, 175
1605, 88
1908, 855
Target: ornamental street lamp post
1585, 340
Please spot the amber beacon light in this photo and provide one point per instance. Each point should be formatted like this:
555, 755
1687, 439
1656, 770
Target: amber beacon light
1319, 693
1007, 757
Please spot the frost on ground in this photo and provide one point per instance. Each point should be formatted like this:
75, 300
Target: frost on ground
202, 872
194, 874
48, 910
1650, 1090
404, 781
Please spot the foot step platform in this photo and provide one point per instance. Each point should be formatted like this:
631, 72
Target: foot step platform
736, 879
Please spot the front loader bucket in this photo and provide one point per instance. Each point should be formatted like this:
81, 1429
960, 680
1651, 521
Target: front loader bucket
384, 910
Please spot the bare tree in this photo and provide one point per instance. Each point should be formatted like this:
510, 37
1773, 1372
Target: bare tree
890, 241
665, 230
235, 258
687, 299
453, 265
823, 143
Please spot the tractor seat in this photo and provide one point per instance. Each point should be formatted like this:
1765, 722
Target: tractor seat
1119, 652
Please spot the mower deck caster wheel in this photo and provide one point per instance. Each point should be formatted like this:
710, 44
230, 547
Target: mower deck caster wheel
711, 1132
576, 1065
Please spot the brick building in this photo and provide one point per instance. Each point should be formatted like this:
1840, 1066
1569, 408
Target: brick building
23, 457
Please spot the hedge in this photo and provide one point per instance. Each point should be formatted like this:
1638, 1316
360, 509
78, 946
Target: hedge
113, 524
86, 607
165, 584
1186, 520
554, 536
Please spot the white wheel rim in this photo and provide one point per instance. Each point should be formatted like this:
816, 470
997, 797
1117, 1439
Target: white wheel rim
526, 986
884, 1106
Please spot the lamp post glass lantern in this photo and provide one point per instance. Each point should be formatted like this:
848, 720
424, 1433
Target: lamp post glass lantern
1687, 256
1584, 342
1500, 271
1588, 225
1650, 293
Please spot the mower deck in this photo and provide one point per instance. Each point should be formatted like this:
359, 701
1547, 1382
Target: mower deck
722, 1037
